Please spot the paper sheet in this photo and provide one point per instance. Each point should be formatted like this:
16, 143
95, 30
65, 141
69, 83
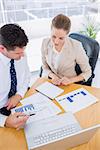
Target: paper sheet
76, 100
44, 107
49, 90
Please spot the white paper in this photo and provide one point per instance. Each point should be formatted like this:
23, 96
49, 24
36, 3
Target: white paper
44, 107
76, 100
49, 90
26, 109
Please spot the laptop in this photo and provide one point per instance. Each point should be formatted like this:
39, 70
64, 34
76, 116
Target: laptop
59, 132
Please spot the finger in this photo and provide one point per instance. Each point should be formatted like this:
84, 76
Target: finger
17, 114
7, 103
59, 82
53, 82
62, 81
19, 127
21, 121
56, 81
9, 106
65, 83
21, 115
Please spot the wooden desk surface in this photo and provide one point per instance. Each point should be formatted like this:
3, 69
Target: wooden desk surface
10, 139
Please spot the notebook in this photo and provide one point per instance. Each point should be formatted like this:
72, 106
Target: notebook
50, 90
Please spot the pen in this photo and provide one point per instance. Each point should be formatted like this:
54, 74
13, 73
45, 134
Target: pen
31, 114
25, 115
21, 115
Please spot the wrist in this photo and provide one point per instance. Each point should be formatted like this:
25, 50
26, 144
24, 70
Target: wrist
72, 80
19, 97
3, 120
52, 75
6, 122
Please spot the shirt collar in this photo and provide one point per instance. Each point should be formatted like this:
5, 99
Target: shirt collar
4, 59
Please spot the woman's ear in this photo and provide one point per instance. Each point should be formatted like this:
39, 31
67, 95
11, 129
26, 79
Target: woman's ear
1, 48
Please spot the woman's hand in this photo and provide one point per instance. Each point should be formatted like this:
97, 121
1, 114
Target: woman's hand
56, 80
66, 81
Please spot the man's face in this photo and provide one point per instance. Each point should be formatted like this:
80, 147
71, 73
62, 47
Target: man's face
16, 54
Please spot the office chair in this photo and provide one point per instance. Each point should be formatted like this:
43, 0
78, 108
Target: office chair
91, 47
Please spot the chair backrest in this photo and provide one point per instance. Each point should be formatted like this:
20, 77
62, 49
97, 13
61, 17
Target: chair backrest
91, 47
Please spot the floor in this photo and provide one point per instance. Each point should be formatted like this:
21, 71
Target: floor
96, 80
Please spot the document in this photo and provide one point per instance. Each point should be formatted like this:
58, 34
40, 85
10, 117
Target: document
49, 89
26, 109
76, 100
43, 106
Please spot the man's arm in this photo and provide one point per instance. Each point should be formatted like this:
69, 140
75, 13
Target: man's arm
2, 120
23, 86
15, 120
83, 61
26, 79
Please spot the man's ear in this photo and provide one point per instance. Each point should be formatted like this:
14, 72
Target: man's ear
2, 48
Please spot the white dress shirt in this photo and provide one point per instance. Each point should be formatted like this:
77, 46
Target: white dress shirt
23, 78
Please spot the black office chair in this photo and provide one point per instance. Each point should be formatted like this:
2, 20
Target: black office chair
91, 47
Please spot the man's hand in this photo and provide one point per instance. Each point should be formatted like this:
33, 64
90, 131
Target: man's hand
16, 120
13, 101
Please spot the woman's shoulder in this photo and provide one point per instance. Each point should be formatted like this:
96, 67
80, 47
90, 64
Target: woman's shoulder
76, 45
47, 40
45, 45
74, 41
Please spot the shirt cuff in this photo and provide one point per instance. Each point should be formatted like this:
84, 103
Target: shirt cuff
21, 93
2, 120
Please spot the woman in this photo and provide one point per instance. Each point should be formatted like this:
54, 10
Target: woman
60, 54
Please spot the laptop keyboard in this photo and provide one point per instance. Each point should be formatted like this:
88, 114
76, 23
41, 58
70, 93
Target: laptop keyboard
54, 135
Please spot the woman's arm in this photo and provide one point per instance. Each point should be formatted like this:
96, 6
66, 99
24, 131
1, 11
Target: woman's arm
45, 66
83, 61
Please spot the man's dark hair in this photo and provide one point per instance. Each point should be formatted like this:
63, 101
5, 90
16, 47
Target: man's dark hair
12, 36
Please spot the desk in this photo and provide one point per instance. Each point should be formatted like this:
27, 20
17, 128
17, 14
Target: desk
10, 139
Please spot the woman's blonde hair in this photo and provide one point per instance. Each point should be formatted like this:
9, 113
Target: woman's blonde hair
61, 22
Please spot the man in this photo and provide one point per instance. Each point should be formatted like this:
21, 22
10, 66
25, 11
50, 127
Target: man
14, 74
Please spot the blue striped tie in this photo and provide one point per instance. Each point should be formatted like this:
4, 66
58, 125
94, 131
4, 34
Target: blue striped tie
13, 88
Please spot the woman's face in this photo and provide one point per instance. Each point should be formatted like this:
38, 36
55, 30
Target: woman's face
58, 37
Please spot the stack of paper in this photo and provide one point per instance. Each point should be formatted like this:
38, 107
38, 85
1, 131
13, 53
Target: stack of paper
43, 106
